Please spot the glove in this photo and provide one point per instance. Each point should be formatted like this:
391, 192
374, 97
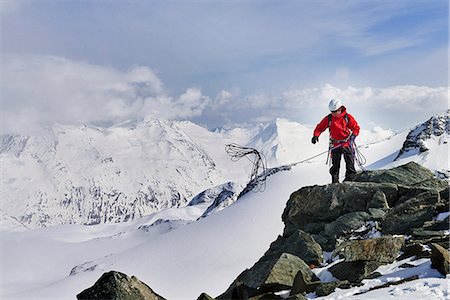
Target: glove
314, 139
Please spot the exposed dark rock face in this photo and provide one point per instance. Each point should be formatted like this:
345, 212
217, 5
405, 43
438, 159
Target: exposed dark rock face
118, 286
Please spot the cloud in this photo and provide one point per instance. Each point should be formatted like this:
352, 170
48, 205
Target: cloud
40, 90
396, 107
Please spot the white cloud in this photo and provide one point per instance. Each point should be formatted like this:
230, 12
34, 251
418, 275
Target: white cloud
396, 107
38, 90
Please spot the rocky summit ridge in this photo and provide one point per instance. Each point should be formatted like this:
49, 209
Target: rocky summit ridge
381, 217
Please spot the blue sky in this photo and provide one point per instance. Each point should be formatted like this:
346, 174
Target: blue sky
241, 49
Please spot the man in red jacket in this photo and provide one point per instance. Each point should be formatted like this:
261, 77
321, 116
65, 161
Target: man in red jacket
343, 130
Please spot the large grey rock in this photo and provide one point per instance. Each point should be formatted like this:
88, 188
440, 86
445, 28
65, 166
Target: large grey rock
384, 249
267, 275
354, 271
300, 244
410, 174
118, 286
316, 204
440, 258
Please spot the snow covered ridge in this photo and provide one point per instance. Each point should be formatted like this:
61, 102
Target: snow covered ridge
89, 175
438, 126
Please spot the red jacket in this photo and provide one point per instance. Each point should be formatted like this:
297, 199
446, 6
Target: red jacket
339, 127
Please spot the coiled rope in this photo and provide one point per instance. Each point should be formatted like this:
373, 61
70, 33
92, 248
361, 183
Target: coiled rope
258, 161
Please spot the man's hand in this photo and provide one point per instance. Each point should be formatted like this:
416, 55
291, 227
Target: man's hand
314, 139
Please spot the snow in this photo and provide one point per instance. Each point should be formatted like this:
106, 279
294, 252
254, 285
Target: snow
179, 255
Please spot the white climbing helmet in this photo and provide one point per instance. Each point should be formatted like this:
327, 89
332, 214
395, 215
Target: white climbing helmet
335, 104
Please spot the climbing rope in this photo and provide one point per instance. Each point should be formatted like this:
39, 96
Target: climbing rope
258, 161
359, 157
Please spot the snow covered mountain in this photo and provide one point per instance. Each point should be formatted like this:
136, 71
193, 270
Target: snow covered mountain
88, 175
91, 175
433, 137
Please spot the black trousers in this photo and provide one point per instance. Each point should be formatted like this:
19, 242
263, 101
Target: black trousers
349, 158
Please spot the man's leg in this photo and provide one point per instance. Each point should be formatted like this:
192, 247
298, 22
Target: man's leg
335, 164
349, 158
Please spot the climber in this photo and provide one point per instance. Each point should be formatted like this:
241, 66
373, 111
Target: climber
343, 131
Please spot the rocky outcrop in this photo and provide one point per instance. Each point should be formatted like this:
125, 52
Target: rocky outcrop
118, 286
399, 199
365, 222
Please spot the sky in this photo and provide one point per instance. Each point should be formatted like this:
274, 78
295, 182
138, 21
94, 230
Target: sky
219, 63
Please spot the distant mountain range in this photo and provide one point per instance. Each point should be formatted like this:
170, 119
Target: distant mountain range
91, 175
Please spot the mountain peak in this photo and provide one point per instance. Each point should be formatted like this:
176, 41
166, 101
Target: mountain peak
418, 139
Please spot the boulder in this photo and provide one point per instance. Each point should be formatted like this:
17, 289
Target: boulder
384, 249
354, 271
118, 286
267, 275
440, 259
300, 244
324, 204
410, 174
